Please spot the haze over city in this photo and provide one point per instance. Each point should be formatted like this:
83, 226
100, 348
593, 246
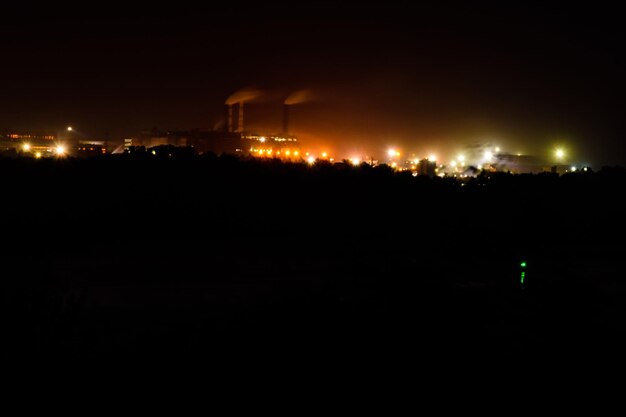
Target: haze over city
425, 79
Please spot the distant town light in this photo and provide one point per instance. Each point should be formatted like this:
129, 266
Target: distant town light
432, 158
488, 155
70, 128
26, 147
560, 153
311, 160
296, 153
324, 155
37, 155
573, 169
453, 163
355, 161
393, 165
60, 150
461, 158
497, 149
262, 139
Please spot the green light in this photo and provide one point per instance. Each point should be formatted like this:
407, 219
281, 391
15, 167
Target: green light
523, 264
521, 280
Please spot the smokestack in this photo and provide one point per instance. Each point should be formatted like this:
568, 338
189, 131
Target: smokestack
285, 119
240, 124
229, 125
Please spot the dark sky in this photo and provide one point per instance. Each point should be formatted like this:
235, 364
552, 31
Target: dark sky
424, 78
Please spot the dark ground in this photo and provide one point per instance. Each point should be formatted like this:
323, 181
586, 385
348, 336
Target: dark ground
215, 257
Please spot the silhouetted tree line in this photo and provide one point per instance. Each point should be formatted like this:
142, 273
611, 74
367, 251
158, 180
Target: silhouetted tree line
151, 252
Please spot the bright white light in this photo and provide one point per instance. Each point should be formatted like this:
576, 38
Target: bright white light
26, 147
311, 160
480, 167
37, 155
60, 150
585, 169
324, 155
355, 161
262, 139
432, 158
70, 128
497, 149
153, 152
461, 158
393, 165
573, 169
559, 153
453, 163
488, 155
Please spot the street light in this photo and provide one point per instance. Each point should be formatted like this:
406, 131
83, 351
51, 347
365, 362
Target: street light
560, 154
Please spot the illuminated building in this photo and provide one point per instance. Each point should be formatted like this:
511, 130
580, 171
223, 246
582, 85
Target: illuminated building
27, 143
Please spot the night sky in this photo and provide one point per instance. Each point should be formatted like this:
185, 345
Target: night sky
435, 79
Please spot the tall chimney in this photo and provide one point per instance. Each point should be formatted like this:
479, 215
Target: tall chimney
285, 119
240, 124
229, 125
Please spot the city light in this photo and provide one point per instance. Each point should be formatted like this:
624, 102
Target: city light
26, 147
287, 152
324, 155
311, 160
393, 165
262, 139
560, 153
355, 161
497, 149
393, 153
432, 158
461, 158
70, 128
37, 155
60, 150
488, 155
453, 163
573, 169
296, 153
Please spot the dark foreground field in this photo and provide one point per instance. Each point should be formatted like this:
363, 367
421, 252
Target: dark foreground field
215, 257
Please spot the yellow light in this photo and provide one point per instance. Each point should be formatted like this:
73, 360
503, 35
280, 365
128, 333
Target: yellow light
70, 128
262, 138
287, 153
26, 147
324, 155
355, 161
497, 149
391, 152
296, 153
432, 158
278, 153
461, 158
37, 155
311, 160
560, 153
393, 165
453, 163
307, 154
60, 150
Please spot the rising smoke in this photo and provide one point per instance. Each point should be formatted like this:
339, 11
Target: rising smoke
244, 95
